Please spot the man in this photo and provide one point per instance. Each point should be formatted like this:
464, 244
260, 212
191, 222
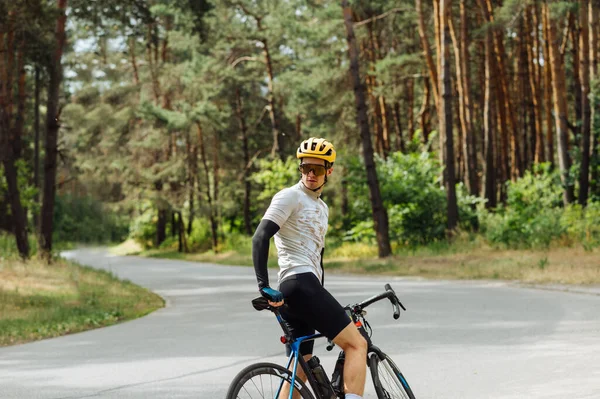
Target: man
298, 219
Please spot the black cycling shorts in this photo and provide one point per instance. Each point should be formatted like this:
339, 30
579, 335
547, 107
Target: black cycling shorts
311, 307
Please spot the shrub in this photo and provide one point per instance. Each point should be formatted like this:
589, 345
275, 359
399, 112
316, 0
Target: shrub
143, 228
86, 220
412, 194
532, 215
583, 224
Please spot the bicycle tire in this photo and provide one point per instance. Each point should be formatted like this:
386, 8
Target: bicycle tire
388, 380
243, 385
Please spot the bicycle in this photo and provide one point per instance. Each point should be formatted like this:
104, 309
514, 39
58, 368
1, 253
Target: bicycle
261, 379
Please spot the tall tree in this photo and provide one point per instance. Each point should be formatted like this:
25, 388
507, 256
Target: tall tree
461, 57
560, 107
445, 117
584, 51
55, 72
380, 217
12, 48
488, 124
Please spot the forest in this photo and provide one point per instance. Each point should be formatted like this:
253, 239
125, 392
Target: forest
174, 122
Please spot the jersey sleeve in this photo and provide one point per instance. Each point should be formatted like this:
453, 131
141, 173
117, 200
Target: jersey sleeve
282, 206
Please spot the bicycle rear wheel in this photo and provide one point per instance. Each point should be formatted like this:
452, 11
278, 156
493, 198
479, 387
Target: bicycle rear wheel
388, 380
264, 380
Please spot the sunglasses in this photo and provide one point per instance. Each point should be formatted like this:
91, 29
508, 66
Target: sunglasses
318, 170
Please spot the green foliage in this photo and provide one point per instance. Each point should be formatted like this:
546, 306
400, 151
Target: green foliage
86, 220
411, 191
26, 190
201, 238
143, 227
531, 217
273, 175
583, 224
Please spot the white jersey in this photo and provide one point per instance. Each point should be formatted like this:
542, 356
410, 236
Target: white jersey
302, 219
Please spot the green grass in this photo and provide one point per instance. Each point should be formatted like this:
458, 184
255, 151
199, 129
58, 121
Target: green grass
39, 301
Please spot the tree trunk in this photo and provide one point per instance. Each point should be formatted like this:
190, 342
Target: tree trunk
431, 66
446, 120
507, 115
410, 103
277, 148
52, 126
385, 127
584, 47
244, 132
216, 183
192, 160
11, 132
380, 218
548, 89
535, 81
152, 40
560, 108
36, 149
522, 80
461, 56
136, 75
213, 221
489, 192
161, 227
424, 112
576, 84
594, 16
400, 146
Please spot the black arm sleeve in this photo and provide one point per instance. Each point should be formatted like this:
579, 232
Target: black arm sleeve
260, 250
322, 268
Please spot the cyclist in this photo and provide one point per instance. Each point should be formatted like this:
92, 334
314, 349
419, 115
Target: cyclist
298, 219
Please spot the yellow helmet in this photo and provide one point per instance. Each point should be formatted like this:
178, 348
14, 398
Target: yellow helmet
316, 148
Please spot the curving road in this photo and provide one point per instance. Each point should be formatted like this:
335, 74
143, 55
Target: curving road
457, 339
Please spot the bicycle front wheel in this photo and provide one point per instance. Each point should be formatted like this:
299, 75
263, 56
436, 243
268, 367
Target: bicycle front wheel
388, 380
266, 380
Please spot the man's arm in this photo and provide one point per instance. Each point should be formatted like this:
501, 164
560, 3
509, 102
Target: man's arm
260, 251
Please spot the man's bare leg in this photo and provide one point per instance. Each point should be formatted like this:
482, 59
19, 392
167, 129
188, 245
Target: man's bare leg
355, 366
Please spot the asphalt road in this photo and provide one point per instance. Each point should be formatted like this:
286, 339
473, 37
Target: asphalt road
457, 339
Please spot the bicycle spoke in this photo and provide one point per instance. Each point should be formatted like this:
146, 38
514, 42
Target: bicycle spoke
391, 382
260, 389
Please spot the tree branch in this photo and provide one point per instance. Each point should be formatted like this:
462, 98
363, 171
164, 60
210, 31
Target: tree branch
385, 14
245, 58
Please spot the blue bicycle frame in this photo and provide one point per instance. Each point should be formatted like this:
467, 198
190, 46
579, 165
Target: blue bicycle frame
295, 357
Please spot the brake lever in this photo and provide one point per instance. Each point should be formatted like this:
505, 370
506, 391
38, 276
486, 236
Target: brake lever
395, 301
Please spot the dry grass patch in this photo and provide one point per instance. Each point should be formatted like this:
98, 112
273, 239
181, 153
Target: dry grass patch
564, 265
39, 301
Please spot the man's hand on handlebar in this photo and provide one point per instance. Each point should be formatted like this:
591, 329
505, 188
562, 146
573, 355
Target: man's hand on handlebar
274, 297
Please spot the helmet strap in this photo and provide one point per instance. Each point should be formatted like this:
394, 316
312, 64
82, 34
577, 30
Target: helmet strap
315, 189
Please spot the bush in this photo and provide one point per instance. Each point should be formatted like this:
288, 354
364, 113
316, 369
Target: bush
583, 225
86, 220
412, 194
532, 215
274, 175
143, 228
201, 238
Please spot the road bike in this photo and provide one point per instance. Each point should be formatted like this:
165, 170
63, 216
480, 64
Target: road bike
269, 380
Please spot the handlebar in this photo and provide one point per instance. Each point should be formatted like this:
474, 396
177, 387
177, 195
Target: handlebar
358, 308
390, 294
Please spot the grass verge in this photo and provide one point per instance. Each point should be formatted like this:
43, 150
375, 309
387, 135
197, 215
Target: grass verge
468, 261
39, 301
